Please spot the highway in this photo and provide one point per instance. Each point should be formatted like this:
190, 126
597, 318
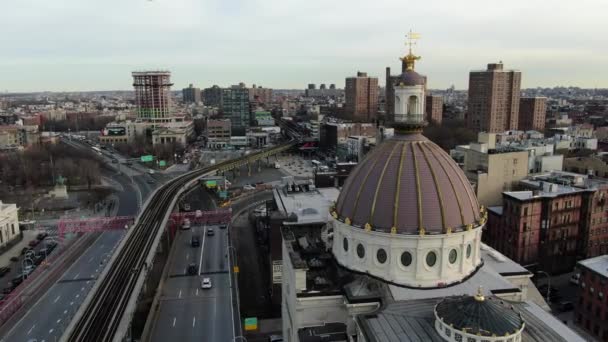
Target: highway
187, 312
47, 319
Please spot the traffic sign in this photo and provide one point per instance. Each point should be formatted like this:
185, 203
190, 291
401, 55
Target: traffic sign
235, 269
162, 163
251, 323
147, 158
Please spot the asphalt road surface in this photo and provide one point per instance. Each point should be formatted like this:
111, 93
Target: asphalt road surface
188, 312
47, 319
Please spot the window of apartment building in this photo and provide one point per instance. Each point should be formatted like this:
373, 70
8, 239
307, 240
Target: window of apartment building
525, 211
13, 228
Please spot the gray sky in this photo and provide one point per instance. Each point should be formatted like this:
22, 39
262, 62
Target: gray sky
95, 44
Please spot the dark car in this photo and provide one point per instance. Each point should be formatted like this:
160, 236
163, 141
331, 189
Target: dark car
192, 269
25, 250
150, 181
14, 259
223, 226
34, 243
114, 161
4, 271
210, 232
196, 241
128, 163
41, 236
16, 281
7, 290
566, 306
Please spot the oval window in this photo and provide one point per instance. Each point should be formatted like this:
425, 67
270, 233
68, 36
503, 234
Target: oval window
381, 256
345, 244
406, 259
360, 251
453, 256
468, 251
431, 259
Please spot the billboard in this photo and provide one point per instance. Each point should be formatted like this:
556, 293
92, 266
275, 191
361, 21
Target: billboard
114, 131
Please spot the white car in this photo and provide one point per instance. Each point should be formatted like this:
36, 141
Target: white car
248, 187
206, 283
575, 278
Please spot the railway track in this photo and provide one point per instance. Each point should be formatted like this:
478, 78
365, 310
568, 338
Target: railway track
104, 310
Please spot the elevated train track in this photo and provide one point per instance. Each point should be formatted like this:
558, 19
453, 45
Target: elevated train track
106, 313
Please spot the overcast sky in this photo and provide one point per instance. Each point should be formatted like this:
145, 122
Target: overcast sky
69, 45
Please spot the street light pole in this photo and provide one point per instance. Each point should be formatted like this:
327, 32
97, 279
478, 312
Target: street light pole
548, 284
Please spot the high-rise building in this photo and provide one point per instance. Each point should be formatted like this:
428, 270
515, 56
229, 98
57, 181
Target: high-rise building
532, 112
212, 97
361, 97
191, 94
493, 99
152, 94
235, 106
434, 109
260, 95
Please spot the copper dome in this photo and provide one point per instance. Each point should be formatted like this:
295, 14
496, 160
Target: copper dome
410, 78
410, 184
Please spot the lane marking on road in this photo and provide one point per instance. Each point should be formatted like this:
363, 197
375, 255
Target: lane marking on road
193, 321
77, 295
197, 292
200, 263
29, 331
71, 303
180, 294
88, 282
59, 320
65, 312
90, 259
187, 255
174, 319
76, 276
82, 289
56, 299
51, 331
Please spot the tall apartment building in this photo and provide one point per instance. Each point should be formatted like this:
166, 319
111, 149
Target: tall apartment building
361, 98
9, 223
191, 94
212, 97
532, 112
235, 106
152, 94
434, 109
554, 220
591, 310
260, 95
493, 99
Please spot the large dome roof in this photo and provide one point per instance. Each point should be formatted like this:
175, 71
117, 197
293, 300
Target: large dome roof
408, 183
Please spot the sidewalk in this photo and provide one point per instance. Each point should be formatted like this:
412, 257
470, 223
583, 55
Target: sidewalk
28, 235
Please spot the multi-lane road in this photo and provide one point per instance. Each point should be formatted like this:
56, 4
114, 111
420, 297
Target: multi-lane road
188, 312
47, 319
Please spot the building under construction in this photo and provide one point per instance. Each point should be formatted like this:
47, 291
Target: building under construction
152, 94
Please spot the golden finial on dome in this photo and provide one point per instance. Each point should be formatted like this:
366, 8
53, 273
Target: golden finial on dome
422, 231
410, 59
479, 296
393, 230
334, 214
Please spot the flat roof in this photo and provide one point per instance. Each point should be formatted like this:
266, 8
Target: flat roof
598, 264
308, 204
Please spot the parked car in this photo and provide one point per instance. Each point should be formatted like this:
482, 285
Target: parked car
7, 290
4, 271
566, 306
210, 232
25, 250
14, 258
195, 241
575, 278
34, 243
206, 283
192, 269
17, 281
42, 235
248, 187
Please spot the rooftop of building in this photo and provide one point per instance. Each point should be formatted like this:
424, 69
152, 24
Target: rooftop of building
7, 206
303, 203
598, 265
330, 332
414, 320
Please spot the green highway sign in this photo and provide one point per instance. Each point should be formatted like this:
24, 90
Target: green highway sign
146, 158
162, 163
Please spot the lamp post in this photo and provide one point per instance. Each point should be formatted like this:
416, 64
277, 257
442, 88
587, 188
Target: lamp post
548, 284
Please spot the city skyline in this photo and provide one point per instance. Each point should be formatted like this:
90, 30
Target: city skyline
67, 45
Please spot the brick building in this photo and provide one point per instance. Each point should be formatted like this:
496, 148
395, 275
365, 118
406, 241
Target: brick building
434, 109
591, 309
493, 99
361, 98
532, 113
556, 219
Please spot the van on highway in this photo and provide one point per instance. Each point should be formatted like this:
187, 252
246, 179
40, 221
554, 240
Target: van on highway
186, 224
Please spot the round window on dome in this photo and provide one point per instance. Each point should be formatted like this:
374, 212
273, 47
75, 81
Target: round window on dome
468, 251
406, 259
431, 259
360, 251
345, 244
453, 256
381, 256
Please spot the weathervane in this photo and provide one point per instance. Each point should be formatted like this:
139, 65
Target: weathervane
410, 59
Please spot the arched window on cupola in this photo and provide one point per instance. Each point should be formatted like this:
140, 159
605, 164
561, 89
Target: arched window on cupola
412, 105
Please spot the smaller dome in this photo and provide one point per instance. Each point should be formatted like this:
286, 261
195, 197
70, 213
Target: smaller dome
410, 78
477, 315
